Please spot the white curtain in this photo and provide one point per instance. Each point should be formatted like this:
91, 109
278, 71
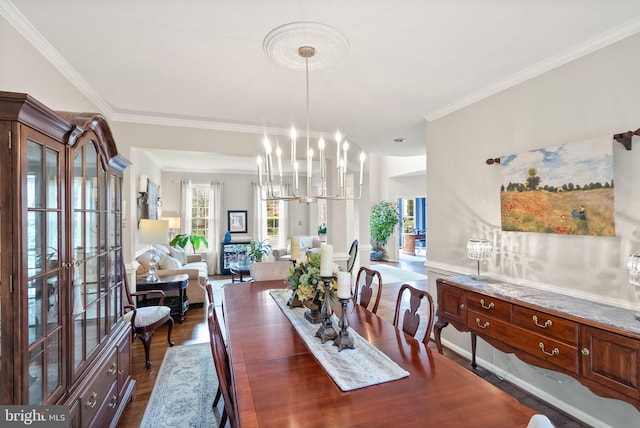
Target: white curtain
216, 227
185, 203
259, 221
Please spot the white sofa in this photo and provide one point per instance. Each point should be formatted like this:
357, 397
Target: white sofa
175, 261
307, 243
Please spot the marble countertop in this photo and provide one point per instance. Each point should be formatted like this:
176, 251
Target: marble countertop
613, 316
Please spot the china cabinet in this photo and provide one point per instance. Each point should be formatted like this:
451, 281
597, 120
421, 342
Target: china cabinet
63, 339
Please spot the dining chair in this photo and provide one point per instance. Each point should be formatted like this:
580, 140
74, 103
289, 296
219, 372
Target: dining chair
353, 252
146, 319
223, 370
410, 317
210, 308
265, 271
368, 282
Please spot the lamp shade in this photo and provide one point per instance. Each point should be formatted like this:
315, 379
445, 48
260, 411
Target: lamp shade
154, 231
479, 249
174, 222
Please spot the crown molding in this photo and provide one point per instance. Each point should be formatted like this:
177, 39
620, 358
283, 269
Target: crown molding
605, 39
40, 43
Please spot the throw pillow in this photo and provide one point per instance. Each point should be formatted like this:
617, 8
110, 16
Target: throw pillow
162, 249
179, 254
169, 263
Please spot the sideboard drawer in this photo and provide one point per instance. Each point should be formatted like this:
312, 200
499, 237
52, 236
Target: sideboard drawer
96, 395
489, 306
536, 345
545, 324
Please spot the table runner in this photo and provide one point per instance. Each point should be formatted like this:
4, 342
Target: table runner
350, 369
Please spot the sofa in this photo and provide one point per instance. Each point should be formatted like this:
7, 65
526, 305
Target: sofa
175, 261
308, 243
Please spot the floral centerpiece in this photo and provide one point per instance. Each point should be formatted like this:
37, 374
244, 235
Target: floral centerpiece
307, 285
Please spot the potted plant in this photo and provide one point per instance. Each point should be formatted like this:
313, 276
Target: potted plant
322, 232
258, 249
383, 219
181, 240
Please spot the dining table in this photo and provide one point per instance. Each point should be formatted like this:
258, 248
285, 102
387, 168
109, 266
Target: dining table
278, 382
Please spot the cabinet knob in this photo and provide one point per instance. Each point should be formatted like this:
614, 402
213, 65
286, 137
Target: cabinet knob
585, 351
461, 305
112, 369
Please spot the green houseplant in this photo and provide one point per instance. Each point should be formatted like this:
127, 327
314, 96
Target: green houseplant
383, 219
181, 240
258, 249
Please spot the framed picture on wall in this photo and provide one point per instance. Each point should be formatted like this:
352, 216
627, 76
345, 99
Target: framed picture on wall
237, 221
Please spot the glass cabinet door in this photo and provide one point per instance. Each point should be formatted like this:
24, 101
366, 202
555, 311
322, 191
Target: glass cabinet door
88, 231
44, 274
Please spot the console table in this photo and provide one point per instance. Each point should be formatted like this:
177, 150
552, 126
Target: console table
597, 344
175, 288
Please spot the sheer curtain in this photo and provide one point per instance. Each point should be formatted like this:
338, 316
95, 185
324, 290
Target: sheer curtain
185, 203
259, 226
216, 228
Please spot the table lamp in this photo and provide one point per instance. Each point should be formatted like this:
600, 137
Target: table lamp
633, 264
174, 225
479, 250
153, 232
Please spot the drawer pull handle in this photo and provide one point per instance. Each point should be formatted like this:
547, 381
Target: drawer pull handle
112, 403
584, 351
489, 306
112, 369
91, 402
485, 325
553, 353
546, 324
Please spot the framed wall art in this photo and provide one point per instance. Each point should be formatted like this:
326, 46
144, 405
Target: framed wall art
237, 221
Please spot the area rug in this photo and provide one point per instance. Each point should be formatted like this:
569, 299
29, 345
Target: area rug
392, 274
184, 390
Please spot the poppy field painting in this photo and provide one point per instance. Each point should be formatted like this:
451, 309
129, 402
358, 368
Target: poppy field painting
567, 190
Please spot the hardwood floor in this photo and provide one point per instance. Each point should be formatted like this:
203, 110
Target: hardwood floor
194, 330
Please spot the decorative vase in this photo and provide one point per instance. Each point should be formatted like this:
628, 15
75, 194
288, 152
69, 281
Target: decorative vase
313, 313
294, 302
227, 237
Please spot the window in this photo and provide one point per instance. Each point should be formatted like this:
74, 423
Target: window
200, 210
408, 215
273, 222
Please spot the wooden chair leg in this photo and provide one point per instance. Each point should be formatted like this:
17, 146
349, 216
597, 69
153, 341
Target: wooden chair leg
169, 333
217, 399
146, 342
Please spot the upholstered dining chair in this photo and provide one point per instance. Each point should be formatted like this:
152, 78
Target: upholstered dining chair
265, 271
410, 321
145, 320
353, 252
368, 282
223, 370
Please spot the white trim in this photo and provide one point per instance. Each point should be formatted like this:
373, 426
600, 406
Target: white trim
600, 41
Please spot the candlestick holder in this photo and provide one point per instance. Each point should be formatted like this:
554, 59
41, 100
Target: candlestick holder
294, 302
326, 330
343, 341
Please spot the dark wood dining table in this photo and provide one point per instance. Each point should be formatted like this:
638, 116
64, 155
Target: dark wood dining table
279, 383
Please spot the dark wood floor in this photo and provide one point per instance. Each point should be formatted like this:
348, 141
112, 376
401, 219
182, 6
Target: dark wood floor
194, 330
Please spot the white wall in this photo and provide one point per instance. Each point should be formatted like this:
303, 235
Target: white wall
594, 96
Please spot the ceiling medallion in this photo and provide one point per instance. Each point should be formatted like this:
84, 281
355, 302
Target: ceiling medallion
282, 44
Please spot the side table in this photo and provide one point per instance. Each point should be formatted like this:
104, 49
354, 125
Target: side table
175, 289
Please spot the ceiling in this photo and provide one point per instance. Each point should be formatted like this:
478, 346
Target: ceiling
202, 62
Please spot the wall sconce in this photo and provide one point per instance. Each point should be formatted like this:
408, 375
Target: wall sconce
633, 264
479, 250
143, 189
153, 232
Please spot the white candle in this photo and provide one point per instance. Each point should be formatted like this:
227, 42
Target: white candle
259, 171
362, 156
295, 168
344, 285
309, 163
295, 248
326, 260
279, 155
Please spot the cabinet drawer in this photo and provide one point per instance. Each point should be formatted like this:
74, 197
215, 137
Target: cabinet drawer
489, 306
96, 394
108, 410
546, 324
538, 346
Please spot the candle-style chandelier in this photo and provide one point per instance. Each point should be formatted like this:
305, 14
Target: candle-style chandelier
272, 179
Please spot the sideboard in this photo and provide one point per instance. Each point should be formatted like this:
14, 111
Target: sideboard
595, 343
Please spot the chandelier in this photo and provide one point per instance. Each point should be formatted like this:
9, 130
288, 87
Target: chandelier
300, 187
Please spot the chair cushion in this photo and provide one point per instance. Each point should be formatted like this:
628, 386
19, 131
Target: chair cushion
149, 314
179, 254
